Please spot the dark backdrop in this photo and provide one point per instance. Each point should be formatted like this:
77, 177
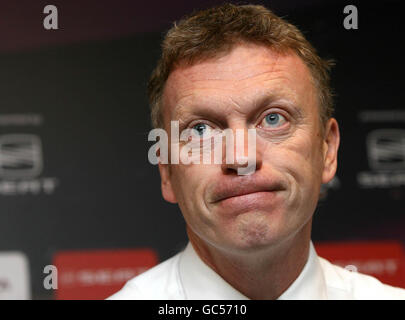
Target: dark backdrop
81, 94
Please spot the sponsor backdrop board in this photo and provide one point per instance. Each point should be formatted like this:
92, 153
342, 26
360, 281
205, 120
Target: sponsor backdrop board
74, 172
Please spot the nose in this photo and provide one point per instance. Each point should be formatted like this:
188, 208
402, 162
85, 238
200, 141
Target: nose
240, 155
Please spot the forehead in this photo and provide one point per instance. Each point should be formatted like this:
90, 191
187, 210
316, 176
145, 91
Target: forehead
242, 76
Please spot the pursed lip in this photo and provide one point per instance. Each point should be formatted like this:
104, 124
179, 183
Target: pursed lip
242, 187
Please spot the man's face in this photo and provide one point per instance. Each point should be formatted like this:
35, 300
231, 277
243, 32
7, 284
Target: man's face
252, 87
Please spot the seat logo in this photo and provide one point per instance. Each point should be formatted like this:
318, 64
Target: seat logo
386, 149
20, 156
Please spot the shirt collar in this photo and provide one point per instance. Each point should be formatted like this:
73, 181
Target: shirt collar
200, 282
310, 284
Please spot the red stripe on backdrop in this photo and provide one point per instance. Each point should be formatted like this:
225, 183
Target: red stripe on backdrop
383, 260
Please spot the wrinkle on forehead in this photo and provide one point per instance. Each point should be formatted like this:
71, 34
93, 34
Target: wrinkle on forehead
232, 66
239, 76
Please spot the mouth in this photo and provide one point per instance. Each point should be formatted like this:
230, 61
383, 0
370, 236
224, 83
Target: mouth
246, 195
248, 202
243, 192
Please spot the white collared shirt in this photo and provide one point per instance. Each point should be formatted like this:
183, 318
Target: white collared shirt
186, 276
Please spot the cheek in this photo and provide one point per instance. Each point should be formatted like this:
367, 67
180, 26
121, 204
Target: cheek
299, 160
188, 183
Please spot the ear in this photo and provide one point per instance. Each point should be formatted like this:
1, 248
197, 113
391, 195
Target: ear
166, 184
330, 148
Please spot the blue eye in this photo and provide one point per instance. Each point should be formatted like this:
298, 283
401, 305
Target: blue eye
200, 129
273, 120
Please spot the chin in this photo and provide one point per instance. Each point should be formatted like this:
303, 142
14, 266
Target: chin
255, 233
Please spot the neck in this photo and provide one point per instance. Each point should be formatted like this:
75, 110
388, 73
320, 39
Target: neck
263, 274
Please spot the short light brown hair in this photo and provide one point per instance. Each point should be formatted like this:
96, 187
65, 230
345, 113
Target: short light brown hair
209, 33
